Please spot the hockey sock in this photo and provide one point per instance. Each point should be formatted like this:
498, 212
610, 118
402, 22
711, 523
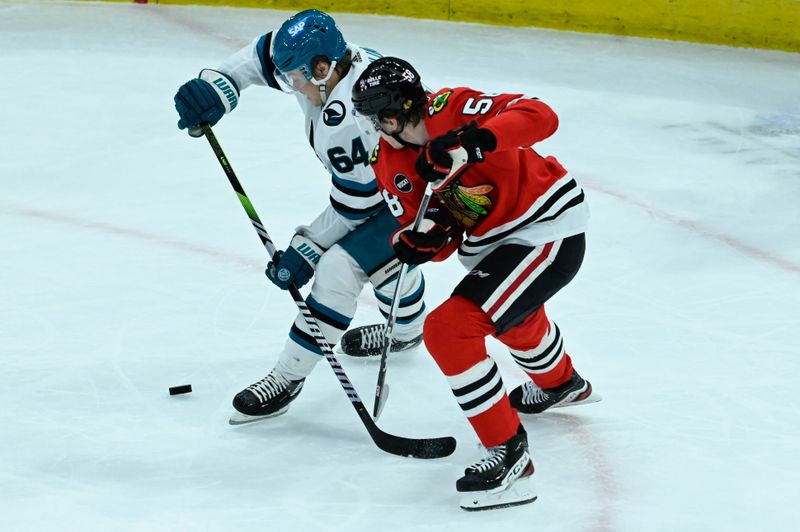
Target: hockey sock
331, 323
455, 334
296, 362
410, 309
538, 348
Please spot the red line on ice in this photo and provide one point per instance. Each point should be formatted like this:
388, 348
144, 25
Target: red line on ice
738, 245
65, 219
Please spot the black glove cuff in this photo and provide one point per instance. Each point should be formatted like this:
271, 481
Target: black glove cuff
486, 139
442, 217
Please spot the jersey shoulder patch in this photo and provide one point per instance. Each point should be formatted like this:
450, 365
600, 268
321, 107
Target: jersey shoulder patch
439, 102
373, 159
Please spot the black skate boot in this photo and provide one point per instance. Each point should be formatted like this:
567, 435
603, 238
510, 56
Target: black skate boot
504, 478
530, 399
367, 341
266, 398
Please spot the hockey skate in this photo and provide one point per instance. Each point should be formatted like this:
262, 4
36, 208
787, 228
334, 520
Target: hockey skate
504, 478
269, 397
530, 399
367, 341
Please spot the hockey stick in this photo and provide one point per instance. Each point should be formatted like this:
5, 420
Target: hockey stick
399, 445
382, 389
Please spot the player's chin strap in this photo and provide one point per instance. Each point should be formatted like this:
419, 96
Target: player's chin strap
323, 83
381, 388
402, 120
396, 136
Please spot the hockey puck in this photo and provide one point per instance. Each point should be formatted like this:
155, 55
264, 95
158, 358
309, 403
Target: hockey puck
177, 390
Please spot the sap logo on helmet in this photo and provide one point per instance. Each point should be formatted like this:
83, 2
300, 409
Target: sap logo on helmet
403, 184
334, 113
297, 28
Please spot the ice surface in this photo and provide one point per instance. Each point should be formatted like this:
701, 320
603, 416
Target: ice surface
127, 266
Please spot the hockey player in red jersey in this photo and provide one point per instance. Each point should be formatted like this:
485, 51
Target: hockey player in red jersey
518, 222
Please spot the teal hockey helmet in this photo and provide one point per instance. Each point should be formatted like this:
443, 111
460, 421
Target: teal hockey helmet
304, 37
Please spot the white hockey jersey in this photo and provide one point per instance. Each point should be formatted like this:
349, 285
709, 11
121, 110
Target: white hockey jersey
342, 140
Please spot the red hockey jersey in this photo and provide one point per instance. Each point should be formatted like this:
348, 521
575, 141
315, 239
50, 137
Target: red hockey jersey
514, 196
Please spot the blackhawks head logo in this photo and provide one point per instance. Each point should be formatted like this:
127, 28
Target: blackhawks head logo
468, 204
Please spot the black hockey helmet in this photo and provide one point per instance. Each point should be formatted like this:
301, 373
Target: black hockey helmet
388, 87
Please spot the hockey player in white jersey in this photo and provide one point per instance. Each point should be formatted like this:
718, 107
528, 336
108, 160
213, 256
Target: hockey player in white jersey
348, 244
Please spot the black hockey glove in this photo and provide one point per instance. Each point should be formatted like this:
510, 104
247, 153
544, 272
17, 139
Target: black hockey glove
436, 160
436, 231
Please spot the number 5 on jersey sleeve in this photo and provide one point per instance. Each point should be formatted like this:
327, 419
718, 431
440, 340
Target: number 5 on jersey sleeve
479, 107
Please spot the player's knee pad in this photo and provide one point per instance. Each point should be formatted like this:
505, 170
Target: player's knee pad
455, 333
338, 281
336, 260
528, 334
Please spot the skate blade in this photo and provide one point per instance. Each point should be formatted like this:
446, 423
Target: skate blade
376, 354
376, 357
521, 491
237, 418
594, 398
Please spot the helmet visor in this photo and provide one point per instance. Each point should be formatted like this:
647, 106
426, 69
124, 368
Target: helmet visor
292, 81
375, 120
296, 80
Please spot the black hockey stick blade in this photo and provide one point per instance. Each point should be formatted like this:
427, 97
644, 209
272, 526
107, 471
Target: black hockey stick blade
413, 448
402, 446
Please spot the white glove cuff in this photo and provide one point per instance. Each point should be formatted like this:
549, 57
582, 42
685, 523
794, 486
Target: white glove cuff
225, 87
307, 249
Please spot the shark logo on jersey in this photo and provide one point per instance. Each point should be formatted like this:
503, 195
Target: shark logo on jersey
403, 184
334, 113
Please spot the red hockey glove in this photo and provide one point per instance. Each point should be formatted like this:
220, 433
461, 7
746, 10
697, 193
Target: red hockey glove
467, 144
437, 230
